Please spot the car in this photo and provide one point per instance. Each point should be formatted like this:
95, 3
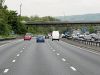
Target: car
27, 37
40, 39
55, 35
63, 36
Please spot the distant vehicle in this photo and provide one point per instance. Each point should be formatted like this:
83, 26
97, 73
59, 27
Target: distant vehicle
27, 37
81, 36
74, 36
40, 39
47, 37
87, 37
55, 35
63, 36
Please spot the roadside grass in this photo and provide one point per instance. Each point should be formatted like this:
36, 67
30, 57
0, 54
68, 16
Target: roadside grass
7, 36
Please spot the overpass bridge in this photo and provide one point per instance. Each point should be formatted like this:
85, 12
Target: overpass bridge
63, 25
57, 23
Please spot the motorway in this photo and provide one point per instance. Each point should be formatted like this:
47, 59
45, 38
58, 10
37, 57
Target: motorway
50, 58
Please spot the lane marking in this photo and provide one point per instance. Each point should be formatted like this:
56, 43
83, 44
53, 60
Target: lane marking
14, 61
23, 48
21, 51
63, 59
74, 69
6, 70
54, 50
58, 54
84, 49
8, 43
18, 54
4, 44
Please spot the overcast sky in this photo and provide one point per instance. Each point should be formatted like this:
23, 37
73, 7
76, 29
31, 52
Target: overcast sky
54, 7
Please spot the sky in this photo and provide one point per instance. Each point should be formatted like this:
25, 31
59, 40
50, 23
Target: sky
54, 7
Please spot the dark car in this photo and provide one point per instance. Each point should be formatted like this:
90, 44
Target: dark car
40, 39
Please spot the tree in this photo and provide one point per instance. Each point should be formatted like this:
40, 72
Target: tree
4, 28
10, 21
91, 29
15, 22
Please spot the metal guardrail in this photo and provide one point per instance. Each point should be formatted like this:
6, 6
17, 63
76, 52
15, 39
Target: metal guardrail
88, 42
4, 39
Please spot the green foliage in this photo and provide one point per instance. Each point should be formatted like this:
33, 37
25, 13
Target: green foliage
36, 29
10, 21
91, 29
39, 19
4, 28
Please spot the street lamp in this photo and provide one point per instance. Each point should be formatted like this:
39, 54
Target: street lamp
20, 9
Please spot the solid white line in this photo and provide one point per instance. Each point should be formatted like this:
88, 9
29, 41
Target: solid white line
14, 61
6, 70
4, 45
58, 54
74, 69
18, 54
10, 43
63, 59
85, 49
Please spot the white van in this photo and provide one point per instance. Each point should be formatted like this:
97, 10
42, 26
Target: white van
55, 35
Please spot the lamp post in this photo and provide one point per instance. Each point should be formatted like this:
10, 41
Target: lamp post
20, 9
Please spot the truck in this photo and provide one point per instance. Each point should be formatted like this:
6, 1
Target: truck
55, 35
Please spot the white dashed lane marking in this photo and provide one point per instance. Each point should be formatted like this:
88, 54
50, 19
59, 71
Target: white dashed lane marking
21, 51
23, 48
63, 59
58, 54
14, 61
6, 70
74, 69
54, 50
18, 54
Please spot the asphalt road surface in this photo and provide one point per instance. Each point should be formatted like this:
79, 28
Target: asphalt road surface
50, 58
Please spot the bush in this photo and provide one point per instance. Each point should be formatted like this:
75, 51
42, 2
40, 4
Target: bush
4, 28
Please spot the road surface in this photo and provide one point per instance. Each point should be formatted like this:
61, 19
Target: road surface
50, 58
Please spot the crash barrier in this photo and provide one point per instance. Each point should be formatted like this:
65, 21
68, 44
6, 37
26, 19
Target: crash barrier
88, 42
4, 39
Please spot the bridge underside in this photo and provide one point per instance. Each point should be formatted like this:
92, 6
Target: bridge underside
60, 24
45, 27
